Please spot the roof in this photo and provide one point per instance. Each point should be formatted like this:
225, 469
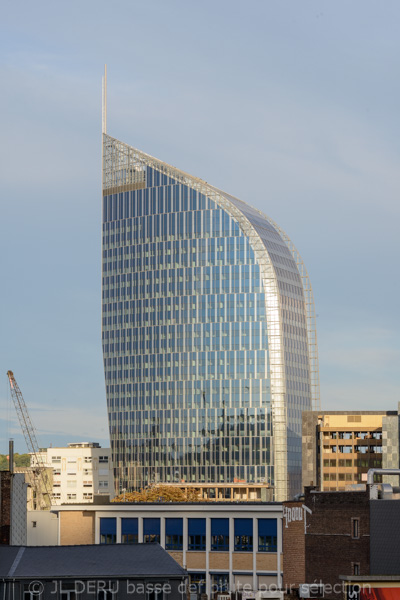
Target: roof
109, 560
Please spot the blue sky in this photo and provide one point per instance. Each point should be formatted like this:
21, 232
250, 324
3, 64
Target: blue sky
291, 106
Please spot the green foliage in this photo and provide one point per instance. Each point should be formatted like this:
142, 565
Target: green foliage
20, 460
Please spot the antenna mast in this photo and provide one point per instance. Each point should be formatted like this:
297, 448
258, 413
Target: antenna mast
104, 101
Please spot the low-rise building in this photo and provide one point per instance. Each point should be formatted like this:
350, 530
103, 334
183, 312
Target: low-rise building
137, 572
225, 547
335, 540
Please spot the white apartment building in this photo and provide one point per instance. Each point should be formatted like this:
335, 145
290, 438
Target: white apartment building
80, 471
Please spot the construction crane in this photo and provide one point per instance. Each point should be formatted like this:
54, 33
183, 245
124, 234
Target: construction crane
40, 483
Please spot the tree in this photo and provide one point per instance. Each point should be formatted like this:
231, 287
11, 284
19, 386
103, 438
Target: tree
20, 460
161, 493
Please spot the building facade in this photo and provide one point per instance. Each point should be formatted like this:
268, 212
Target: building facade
209, 342
103, 572
79, 472
340, 447
325, 535
224, 547
343, 544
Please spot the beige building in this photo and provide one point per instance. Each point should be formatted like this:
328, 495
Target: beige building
224, 546
79, 471
39, 485
339, 447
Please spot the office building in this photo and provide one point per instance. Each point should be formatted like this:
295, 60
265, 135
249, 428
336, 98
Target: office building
209, 341
223, 546
340, 447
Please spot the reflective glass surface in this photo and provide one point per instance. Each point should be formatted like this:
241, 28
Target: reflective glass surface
185, 339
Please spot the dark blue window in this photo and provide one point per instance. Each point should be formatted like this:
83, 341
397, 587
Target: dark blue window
151, 530
197, 583
267, 535
129, 531
197, 534
219, 535
220, 582
173, 534
108, 531
244, 535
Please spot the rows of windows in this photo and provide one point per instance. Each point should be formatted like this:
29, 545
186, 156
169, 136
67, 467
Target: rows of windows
348, 462
237, 279
352, 435
190, 395
154, 199
186, 338
160, 312
233, 422
264, 529
183, 253
184, 306
196, 365
350, 449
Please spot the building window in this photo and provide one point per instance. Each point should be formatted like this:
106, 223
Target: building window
105, 595
267, 535
220, 582
151, 530
34, 523
71, 496
103, 459
129, 531
103, 484
356, 568
243, 535
87, 459
29, 594
197, 534
355, 529
56, 459
173, 534
220, 535
157, 593
197, 583
108, 530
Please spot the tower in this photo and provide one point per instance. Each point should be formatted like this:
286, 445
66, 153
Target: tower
209, 342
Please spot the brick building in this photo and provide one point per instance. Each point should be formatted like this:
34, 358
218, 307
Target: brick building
325, 535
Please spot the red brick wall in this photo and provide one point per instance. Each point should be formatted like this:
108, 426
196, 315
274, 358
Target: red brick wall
5, 504
293, 546
329, 546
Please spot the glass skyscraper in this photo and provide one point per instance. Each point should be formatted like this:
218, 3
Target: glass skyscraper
209, 342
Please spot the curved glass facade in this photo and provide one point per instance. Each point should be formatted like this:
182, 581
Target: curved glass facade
186, 332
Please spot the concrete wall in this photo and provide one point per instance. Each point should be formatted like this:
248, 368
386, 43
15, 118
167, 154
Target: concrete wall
42, 528
18, 510
390, 446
